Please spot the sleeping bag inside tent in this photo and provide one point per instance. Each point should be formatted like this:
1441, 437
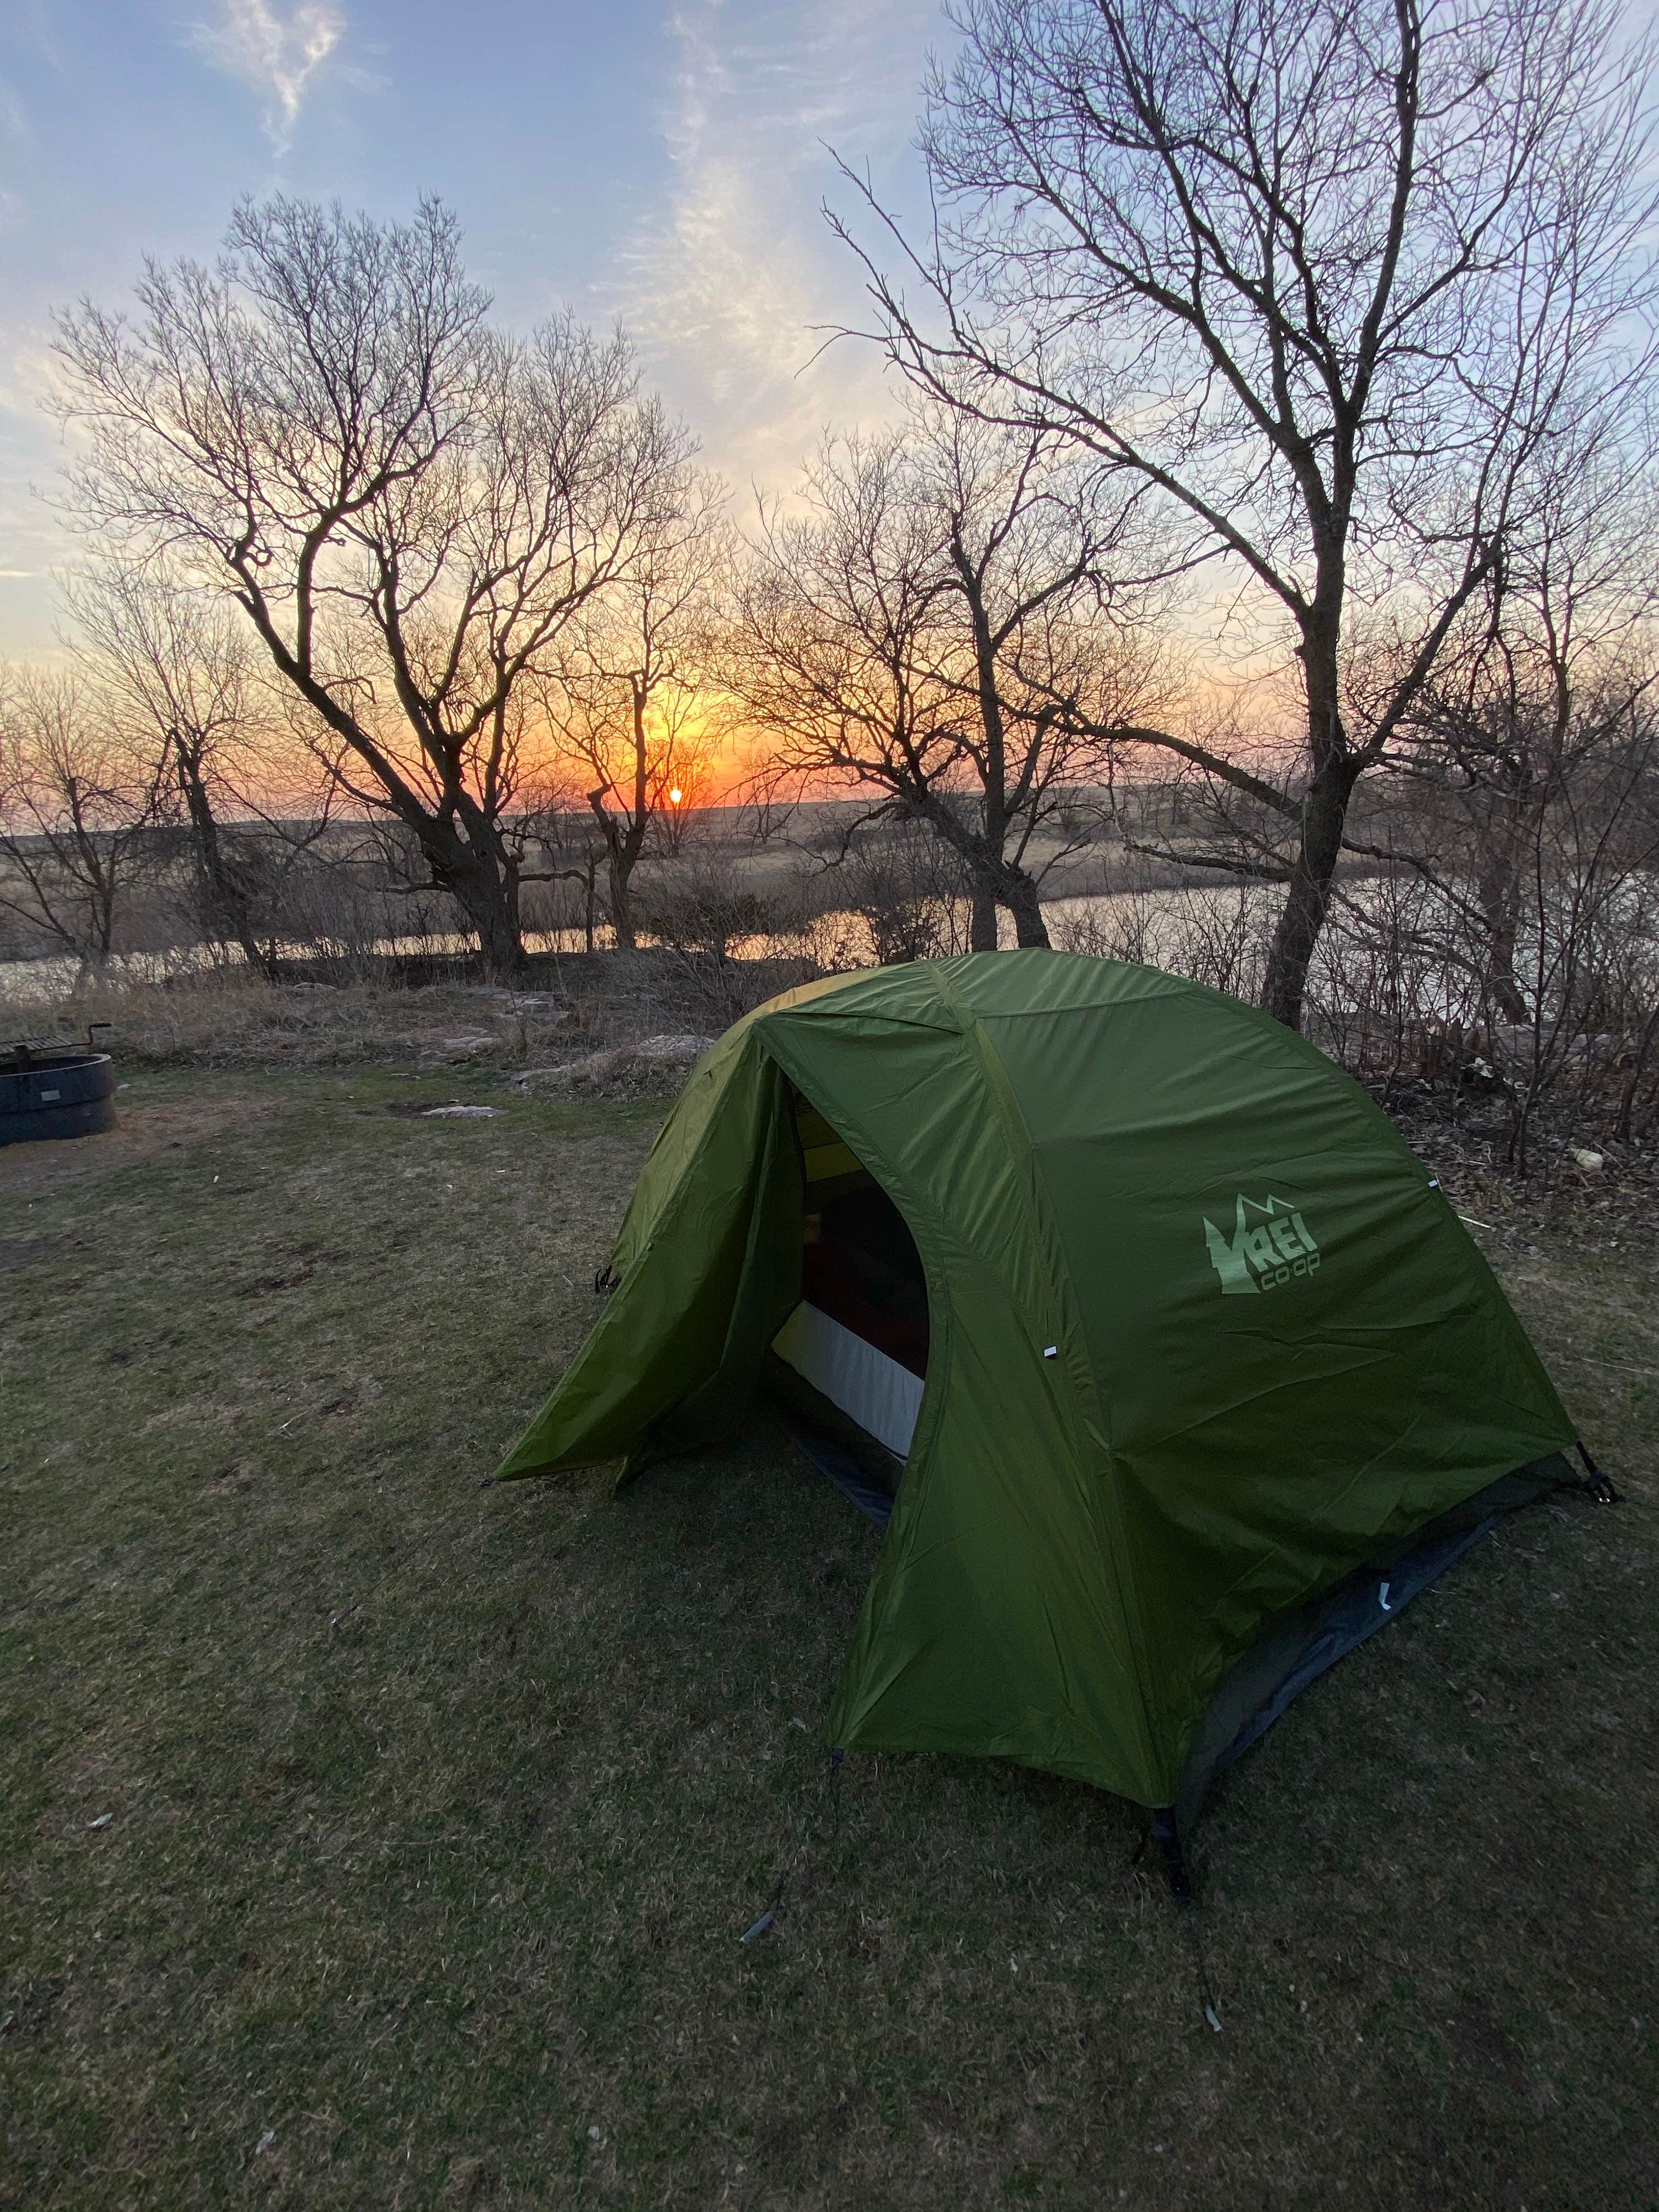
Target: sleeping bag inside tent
1171, 1370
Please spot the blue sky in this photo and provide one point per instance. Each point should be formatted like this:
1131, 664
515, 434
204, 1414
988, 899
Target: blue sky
656, 162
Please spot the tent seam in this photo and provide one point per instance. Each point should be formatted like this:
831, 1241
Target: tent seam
1049, 1241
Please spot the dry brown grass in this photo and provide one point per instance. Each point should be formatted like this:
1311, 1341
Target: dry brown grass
566, 1012
234, 1020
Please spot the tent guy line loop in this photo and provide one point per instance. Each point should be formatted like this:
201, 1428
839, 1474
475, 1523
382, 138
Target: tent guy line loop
1194, 1919
780, 1888
1162, 1830
1596, 1483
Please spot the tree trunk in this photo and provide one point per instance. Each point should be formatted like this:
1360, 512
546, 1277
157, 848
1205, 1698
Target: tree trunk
992, 881
982, 918
1324, 813
620, 871
1507, 831
1003, 880
229, 911
1020, 895
1503, 985
488, 896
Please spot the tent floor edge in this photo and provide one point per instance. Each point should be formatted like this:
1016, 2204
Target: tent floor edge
1304, 1644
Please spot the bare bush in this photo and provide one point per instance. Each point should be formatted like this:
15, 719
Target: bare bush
1220, 937
728, 943
909, 889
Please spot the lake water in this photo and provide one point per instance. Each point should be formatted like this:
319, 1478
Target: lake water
1159, 924
1380, 954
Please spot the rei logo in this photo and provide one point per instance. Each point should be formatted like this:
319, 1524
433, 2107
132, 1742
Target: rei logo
1270, 1243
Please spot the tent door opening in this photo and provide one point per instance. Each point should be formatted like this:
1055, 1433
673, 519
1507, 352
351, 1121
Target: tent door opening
850, 1362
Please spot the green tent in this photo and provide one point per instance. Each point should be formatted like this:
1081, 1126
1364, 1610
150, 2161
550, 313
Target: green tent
1215, 1379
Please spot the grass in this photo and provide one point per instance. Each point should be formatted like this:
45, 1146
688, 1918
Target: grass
435, 1814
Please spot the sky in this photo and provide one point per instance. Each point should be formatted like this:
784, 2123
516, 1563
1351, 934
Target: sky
660, 164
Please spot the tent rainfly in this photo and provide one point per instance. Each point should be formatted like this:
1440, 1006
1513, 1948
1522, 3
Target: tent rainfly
1172, 1370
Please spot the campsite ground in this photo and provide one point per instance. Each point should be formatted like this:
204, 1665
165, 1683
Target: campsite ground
373, 1838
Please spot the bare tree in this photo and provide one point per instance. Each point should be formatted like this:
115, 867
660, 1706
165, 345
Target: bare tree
180, 663
1322, 274
78, 800
1055, 587
1528, 707
957, 624
408, 509
627, 716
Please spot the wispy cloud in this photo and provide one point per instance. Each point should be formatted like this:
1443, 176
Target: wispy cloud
14, 116
30, 26
729, 287
275, 51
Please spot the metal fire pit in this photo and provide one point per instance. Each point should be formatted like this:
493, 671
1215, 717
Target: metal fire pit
49, 1091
